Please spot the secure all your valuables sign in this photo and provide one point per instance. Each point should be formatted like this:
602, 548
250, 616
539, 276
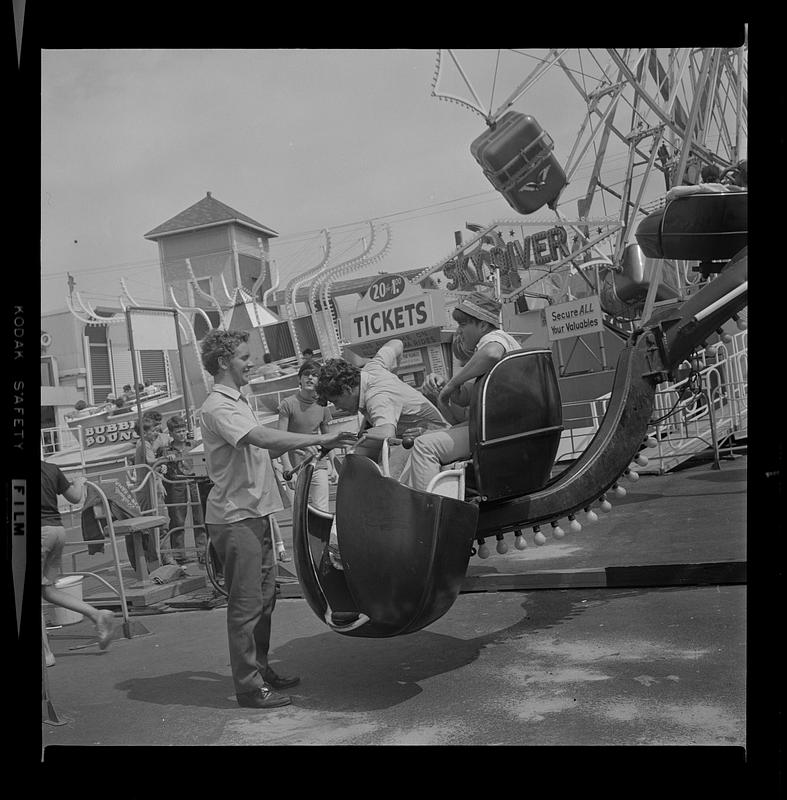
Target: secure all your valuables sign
575, 318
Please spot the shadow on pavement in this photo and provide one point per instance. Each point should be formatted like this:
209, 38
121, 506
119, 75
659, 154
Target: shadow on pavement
345, 674
190, 688
725, 475
351, 674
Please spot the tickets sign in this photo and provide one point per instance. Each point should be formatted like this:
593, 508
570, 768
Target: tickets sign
410, 310
575, 318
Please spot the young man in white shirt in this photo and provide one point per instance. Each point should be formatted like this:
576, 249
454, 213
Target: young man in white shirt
238, 451
478, 320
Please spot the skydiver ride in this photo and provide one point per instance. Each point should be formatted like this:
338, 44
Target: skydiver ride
405, 551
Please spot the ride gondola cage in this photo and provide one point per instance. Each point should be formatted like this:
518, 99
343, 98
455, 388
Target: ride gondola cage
516, 156
707, 226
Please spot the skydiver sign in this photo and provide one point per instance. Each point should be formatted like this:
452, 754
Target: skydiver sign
537, 250
575, 318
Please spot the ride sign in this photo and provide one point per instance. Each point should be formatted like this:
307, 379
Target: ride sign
108, 433
575, 318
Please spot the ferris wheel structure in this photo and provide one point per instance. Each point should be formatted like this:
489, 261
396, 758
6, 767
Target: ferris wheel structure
636, 122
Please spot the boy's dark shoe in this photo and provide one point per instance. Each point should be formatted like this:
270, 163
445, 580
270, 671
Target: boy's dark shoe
279, 681
263, 698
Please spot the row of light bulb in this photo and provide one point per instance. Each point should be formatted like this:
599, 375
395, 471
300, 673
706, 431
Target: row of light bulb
574, 525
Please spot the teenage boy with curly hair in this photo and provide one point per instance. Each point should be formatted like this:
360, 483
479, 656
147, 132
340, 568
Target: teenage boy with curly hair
238, 452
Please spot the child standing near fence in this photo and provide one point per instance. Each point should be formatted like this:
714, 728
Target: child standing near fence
180, 491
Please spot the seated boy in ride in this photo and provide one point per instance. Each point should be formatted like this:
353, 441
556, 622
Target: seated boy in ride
390, 406
478, 320
433, 383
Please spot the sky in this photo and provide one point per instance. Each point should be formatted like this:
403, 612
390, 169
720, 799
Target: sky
299, 140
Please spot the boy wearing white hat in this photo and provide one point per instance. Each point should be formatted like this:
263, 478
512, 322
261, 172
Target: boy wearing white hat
478, 320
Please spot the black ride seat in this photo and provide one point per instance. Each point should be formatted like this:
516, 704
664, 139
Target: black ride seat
704, 227
404, 552
515, 424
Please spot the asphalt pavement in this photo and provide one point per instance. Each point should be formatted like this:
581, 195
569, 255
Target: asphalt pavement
658, 658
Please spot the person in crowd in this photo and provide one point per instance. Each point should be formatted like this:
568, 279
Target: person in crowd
308, 354
301, 413
710, 173
390, 406
433, 383
278, 540
80, 408
119, 406
180, 492
128, 393
734, 179
151, 496
53, 537
238, 452
286, 495
478, 320
741, 176
268, 368
162, 438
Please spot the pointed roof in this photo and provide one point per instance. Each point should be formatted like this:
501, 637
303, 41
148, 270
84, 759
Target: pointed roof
205, 214
262, 314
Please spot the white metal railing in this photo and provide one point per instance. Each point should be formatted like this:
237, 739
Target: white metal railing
267, 403
116, 563
688, 419
95, 480
141, 475
575, 438
706, 417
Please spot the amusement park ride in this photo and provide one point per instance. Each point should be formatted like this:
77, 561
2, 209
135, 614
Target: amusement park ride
668, 274
405, 552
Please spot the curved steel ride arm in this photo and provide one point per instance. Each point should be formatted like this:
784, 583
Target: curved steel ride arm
648, 358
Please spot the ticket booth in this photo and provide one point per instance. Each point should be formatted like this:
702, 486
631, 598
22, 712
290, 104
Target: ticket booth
393, 308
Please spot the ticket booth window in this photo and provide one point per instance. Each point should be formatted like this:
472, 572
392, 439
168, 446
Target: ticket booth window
307, 335
279, 340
